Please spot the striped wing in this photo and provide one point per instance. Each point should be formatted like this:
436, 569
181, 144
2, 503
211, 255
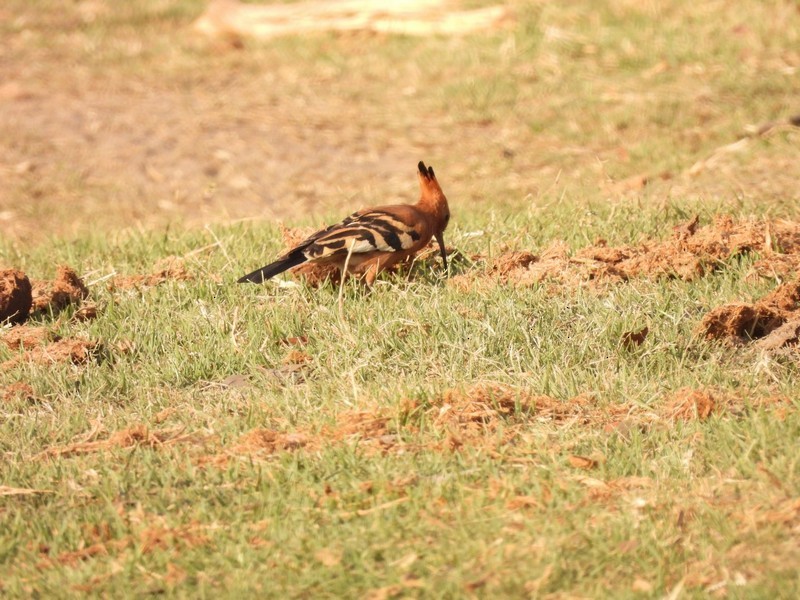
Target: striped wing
370, 231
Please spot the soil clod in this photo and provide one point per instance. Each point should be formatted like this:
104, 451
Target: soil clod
15, 296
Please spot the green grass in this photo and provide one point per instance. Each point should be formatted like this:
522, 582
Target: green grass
529, 129
443, 520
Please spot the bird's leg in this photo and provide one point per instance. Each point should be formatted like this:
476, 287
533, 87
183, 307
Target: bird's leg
371, 273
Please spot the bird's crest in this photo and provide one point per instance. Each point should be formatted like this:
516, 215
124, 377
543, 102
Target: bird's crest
426, 172
430, 192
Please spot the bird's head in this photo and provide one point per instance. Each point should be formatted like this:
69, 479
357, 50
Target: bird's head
433, 200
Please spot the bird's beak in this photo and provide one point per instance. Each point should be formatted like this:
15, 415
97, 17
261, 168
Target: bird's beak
440, 239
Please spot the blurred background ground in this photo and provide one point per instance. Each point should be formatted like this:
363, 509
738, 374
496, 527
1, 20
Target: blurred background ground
118, 115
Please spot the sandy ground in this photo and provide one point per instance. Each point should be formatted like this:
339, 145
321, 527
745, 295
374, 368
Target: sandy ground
112, 118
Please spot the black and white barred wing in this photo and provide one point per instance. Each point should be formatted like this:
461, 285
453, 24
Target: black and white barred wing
372, 231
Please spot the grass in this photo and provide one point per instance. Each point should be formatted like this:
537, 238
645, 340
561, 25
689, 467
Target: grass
368, 482
433, 519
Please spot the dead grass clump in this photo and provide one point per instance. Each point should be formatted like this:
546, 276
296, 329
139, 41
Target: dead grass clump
161, 537
362, 426
741, 322
366, 428
785, 299
268, 441
688, 404
15, 296
67, 288
481, 403
74, 557
484, 407
136, 435
157, 535
169, 268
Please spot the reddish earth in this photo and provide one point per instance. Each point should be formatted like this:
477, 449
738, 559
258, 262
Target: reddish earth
27, 337
20, 297
77, 352
66, 289
492, 417
691, 252
775, 319
15, 296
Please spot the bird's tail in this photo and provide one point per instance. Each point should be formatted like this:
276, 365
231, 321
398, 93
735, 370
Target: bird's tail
272, 269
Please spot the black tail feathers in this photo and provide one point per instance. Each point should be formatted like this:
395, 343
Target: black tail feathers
272, 269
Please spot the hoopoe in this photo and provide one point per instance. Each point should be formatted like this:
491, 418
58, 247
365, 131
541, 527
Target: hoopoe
372, 239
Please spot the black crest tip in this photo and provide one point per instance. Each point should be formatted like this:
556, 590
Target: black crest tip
426, 172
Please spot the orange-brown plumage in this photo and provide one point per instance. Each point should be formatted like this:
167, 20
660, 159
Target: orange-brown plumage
372, 239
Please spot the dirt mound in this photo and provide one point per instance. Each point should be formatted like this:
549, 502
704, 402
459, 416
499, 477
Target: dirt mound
474, 415
166, 269
690, 253
482, 404
19, 297
741, 322
15, 296
370, 429
67, 288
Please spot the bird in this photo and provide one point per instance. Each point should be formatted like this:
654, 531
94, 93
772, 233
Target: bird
372, 239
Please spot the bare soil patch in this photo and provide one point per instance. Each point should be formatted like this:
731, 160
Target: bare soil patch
39, 344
